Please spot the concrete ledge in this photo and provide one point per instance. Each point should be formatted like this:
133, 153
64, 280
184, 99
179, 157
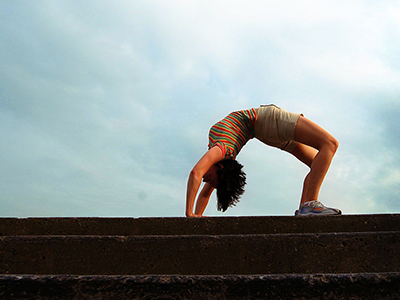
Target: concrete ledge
198, 226
368, 252
317, 286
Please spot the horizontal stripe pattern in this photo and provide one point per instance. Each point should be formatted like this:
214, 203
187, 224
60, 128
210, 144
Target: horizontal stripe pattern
233, 132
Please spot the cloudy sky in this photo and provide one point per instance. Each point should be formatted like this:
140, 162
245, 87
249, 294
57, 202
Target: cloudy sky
105, 106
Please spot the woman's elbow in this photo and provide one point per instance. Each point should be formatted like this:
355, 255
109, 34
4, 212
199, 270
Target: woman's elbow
195, 174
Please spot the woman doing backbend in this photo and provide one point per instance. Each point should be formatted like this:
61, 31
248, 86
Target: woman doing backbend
275, 127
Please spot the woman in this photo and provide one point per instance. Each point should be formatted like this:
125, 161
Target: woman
275, 127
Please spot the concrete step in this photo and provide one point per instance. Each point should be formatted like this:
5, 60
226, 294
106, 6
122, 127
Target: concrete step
340, 257
302, 253
316, 286
198, 226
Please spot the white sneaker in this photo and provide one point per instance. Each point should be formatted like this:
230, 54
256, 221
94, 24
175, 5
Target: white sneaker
316, 208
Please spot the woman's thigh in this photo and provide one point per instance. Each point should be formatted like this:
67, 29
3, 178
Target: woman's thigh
304, 153
311, 134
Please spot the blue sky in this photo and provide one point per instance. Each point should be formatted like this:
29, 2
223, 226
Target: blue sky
105, 106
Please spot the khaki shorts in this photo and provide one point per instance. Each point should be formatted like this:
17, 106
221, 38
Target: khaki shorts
275, 127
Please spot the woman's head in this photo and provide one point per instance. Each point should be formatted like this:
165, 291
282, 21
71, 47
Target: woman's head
231, 182
211, 175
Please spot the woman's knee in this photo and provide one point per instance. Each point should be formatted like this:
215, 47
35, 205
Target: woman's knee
331, 144
335, 143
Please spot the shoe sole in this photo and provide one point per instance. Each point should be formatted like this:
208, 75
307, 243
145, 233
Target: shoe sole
310, 214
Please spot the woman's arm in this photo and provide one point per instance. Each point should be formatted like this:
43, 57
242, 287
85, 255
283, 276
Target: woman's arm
210, 158
203, 199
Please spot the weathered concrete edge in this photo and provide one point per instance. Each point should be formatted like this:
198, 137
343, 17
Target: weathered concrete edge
198, 226
286, 286
247, 254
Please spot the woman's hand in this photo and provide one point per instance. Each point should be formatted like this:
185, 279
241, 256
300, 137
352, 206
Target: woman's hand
190, 215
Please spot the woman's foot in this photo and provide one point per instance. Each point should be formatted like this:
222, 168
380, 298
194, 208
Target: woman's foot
316, 208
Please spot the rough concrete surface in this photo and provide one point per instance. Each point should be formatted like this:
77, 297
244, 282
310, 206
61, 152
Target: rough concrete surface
202, 255
337, 257
317, 286
198, 226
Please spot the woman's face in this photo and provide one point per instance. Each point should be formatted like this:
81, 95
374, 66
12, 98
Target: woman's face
211, 176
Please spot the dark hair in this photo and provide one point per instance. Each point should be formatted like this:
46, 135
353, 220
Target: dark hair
231, 183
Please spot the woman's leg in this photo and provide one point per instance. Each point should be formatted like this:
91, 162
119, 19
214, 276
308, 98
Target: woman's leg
306, 154
308, 134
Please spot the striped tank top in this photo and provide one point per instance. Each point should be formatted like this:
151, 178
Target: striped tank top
233, 132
